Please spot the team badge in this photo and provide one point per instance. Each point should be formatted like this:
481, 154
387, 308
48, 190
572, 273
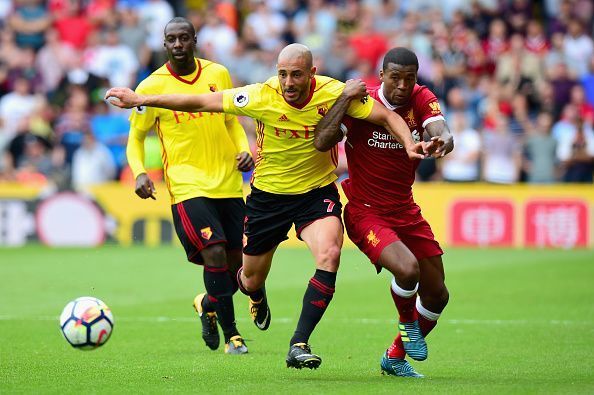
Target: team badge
241, 99
140, 109
206, 233
212, 87
322, 109
372, 238
435, 108
410, 118
364, 99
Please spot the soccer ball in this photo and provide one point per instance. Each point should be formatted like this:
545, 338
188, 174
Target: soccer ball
86, 323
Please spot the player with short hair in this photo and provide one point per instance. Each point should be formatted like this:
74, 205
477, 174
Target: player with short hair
381, 216
203, 157
293, 182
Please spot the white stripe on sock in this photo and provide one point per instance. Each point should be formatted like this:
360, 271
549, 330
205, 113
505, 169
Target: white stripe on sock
403, 293
431, 316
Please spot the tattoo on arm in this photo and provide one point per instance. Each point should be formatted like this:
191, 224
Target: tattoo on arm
328, 132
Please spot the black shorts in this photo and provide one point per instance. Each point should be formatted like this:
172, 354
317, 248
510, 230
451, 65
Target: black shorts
200, 222
269, 216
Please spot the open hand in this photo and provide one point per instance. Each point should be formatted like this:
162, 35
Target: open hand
439, 146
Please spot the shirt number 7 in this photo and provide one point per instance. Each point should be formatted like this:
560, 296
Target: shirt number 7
330, 205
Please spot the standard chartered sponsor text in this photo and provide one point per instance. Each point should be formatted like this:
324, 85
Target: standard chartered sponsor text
383, 140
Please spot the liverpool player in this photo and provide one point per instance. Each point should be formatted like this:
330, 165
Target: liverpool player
293, 182
381, 216
203, 155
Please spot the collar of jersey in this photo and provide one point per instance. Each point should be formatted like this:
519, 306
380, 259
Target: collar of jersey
180, 78
383, 99
312, 88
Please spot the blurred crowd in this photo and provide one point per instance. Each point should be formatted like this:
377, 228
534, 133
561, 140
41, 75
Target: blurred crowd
515, 78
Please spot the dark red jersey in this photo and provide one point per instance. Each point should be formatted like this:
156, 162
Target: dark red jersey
380, 173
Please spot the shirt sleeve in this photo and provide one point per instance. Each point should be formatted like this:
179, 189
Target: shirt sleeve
234, 128
427, 107
361, 108
244, 100
142, 120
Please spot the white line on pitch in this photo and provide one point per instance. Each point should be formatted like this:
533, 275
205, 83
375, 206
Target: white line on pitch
162, 319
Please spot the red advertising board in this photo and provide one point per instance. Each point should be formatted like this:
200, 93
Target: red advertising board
482, 223
556, 223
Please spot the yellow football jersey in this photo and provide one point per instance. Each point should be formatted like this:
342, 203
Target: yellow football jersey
287, 161
198, 149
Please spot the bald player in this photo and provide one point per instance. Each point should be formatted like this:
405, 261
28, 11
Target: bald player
293, 182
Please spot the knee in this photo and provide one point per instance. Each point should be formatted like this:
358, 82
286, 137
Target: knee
409, 271
406, 271
214, 256
252, 281
329, 259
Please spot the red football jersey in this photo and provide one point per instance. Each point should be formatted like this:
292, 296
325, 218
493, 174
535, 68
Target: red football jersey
380, 173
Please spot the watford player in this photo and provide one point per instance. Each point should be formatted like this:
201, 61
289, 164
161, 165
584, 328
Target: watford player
203, 156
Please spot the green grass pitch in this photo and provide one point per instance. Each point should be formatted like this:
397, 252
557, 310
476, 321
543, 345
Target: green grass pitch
518, 322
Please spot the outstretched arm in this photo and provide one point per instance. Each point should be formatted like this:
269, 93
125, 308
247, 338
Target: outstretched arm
328, 132
127, 98
441, 137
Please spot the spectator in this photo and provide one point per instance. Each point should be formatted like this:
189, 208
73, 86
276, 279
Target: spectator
154, 15
14, 107
133, 34
265, 26
56, 53
72, 25
519, 68
26, 68
562, 83
576, 152
578, 48
540, 152
35, 164
92, 164
9, 51
462, 164
496, 44
559, 21
73, 123
501, 154
29, 21
315, 26
115, 61
556, 53
536, 41
369, 45
216, 39
584, 109
111, 129
588, 82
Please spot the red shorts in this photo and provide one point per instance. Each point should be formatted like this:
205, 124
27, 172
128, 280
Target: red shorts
372, 232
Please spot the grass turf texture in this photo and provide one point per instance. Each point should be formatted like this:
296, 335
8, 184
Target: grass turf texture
518, 322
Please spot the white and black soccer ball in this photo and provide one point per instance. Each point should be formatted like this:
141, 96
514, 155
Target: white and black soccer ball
86, 323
